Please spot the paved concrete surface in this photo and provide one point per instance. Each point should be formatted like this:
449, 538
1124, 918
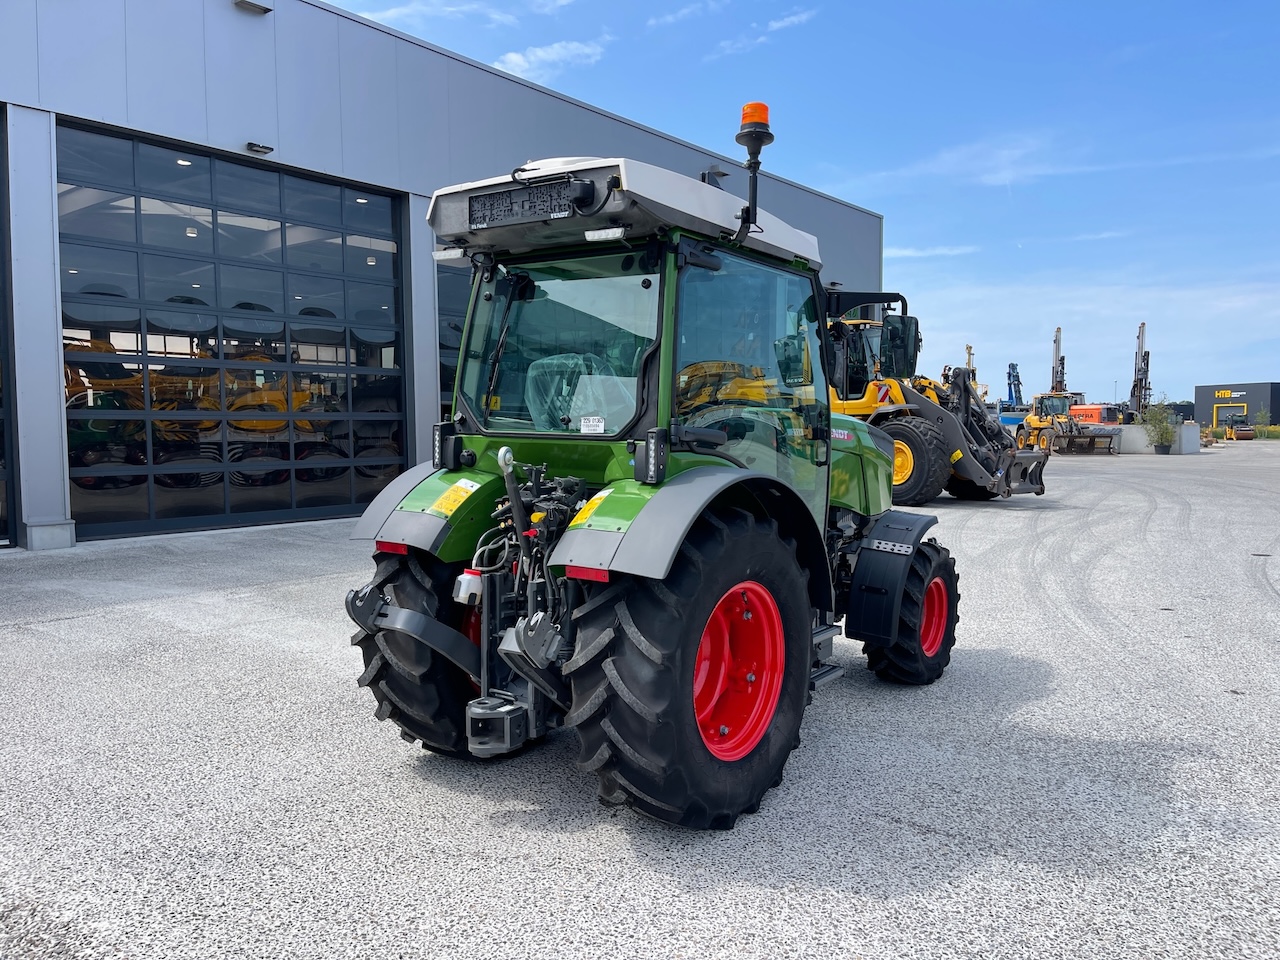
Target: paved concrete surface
187, 768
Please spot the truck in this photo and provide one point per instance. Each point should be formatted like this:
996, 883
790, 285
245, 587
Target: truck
642, 521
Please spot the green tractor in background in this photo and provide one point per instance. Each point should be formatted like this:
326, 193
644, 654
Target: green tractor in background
643, 521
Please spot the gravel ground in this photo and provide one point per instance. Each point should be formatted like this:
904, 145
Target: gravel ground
187, 768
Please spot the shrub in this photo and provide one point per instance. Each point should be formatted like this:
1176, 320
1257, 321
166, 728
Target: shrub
1158, 422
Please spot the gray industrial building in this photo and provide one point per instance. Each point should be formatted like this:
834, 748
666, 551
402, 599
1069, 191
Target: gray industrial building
218, 304
1215, 402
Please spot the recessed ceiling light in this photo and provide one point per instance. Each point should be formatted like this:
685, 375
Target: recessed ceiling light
184, 162
384, 308
372, 261
72, 271
191, 231
195, 286
361, 200
296, 297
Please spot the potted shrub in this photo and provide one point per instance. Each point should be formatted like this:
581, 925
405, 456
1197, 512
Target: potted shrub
1158, 422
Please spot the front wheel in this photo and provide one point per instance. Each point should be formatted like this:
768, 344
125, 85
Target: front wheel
926, 623
920, 463
688, 692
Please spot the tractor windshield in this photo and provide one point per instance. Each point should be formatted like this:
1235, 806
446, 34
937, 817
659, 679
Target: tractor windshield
555, 346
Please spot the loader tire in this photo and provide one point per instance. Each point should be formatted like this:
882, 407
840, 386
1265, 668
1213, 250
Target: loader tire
421, 692
926, 623
688, 692
962, 488
920, 463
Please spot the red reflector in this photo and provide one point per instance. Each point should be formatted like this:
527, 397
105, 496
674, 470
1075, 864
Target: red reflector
587, 573
386, 546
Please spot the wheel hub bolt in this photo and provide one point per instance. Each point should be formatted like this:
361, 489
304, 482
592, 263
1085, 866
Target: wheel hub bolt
746, 614
724, 731
751, 678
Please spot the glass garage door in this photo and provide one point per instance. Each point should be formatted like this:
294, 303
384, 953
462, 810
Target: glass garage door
232, 339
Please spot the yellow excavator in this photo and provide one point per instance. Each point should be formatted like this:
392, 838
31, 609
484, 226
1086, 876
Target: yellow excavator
944, 437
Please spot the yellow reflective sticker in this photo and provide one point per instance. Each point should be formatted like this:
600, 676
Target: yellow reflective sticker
451, 499
956, 456
583, 515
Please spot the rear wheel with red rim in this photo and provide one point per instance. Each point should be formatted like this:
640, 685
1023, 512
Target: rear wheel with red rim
688, 692
738, 673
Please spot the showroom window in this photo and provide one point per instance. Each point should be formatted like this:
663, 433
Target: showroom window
232, 335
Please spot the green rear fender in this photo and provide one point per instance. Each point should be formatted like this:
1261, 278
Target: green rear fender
638, 530
443, 512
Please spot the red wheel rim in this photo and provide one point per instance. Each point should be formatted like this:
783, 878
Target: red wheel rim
933, 618
737, 678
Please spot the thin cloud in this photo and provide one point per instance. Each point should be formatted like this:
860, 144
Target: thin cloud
1104, 235
1020, 158
548, 6
793, 20
727, 48
409, 14
894, 253
686, 12
543, 64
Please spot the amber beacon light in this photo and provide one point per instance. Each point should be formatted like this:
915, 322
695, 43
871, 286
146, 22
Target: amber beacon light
755, 135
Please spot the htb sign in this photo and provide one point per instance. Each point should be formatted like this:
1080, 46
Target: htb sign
1227, 394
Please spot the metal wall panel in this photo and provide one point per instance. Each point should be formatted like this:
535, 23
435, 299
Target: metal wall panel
19, 61
82, 59
370, 120
422, 97
165, 68
310, 96
38, 385
240, 76
423, 351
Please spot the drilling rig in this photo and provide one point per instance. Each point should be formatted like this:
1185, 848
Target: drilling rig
1140, 392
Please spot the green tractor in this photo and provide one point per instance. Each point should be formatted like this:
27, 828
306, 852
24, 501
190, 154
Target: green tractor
643, 521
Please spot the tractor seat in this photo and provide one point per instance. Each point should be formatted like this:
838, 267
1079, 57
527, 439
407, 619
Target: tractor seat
566, 386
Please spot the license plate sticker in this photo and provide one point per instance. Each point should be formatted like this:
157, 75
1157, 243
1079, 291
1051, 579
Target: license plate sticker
592, 425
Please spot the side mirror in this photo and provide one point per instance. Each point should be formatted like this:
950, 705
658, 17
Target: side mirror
793, 360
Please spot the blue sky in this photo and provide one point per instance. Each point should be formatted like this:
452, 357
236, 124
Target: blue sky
1079, 164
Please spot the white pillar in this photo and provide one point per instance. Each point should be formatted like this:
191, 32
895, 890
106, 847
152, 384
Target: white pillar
39, 393
422, 332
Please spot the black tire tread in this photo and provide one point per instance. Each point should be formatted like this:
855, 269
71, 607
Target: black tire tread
423, 694
621, 675
904, 662
962, 488
927, 437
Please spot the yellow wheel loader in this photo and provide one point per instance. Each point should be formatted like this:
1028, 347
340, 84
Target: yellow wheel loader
1051, 426
944, 438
